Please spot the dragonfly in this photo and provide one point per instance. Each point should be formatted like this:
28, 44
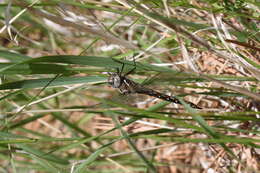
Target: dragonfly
128, 86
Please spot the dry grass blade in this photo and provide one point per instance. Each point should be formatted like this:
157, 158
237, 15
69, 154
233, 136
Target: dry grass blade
154, 17
200, 52
80, 27
255, 96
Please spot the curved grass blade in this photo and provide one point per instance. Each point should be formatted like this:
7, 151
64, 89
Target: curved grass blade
38, 83
30, 68
131, 144
13, 57
43, 155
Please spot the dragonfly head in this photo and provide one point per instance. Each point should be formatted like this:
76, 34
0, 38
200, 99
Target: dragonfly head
114, 80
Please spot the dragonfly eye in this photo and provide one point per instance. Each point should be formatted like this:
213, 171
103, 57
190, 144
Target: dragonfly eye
114, 80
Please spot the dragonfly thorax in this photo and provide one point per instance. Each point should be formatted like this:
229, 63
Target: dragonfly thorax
114, 80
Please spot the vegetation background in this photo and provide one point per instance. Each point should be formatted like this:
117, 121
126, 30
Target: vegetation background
59, 115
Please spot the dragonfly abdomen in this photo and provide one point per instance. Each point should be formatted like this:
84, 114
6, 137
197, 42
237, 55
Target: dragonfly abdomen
165, 97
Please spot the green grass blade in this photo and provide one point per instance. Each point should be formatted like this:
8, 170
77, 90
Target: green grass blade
38, 83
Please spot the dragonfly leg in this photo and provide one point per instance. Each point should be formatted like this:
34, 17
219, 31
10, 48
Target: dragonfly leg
121, 71
132, 70
117, 70
122, 68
